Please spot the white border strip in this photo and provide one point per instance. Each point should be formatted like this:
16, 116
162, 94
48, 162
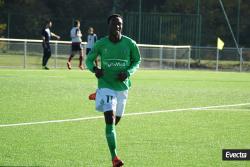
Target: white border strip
35, 41
129, 114
69, 42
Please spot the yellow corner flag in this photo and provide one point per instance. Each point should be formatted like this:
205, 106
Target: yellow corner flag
220, 44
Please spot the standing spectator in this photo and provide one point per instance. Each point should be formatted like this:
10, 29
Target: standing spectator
76, 45
46, 35
91, 39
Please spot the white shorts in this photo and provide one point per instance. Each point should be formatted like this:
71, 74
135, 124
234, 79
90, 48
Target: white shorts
107, 99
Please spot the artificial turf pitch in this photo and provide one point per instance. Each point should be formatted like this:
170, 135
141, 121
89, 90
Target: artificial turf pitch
189, 137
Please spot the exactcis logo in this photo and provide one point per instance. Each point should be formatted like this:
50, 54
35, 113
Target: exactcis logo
118, 63
236, 154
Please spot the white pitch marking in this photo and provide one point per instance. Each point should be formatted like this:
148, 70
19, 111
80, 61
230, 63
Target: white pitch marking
232, 109
129, 114
52, 121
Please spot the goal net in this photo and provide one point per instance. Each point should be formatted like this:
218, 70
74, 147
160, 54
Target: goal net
165, 56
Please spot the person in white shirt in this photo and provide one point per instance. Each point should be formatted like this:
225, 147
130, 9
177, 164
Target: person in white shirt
76, 45
91, 39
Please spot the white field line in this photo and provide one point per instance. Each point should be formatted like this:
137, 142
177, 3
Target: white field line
228, 109
129, 114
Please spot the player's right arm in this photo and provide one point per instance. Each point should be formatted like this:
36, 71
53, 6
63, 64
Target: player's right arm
43, 38
92, 57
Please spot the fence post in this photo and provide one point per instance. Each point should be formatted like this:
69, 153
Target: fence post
160, 30
217, 60
241, 60
189, 58
25, 54
174, 57
140, 20
56, 46
161, 52
8, 29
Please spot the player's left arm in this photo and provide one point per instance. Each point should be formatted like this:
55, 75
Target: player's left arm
135, 59
91, 57
78, 32
54, 35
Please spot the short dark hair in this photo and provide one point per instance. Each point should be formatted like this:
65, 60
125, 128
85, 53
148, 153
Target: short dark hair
47, 21
76, 22
113, 16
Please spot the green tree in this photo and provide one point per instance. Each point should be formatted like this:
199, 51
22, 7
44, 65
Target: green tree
26, 16
3, 25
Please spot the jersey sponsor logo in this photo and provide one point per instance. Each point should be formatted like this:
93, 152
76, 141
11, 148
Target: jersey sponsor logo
115, 63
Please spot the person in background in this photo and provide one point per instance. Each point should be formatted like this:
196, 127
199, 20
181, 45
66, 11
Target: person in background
76, 45
46, 36
91, 39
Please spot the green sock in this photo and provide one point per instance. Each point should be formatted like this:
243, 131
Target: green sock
111, 139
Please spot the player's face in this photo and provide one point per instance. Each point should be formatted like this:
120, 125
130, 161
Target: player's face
115, 26
50, 24
90, 31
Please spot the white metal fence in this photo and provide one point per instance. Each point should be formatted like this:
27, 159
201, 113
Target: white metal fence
21, 53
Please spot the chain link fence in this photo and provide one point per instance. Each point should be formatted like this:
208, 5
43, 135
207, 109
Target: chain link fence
152, 28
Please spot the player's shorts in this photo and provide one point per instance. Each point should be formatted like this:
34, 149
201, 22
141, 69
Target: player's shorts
107, 100
88, 50
76, 47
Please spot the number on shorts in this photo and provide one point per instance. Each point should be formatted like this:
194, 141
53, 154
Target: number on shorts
109, 98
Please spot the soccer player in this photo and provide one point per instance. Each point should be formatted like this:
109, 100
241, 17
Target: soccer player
91, 39
120, 58
46, 35
76, 45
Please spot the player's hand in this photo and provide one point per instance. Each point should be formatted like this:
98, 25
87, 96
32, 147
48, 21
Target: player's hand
58, 37
122, 76
98, 72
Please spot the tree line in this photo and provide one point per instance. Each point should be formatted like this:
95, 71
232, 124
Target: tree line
24, 18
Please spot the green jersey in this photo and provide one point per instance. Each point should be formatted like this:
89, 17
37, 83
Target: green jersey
123, 56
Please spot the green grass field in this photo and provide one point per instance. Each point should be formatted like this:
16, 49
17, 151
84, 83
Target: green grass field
190, 138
